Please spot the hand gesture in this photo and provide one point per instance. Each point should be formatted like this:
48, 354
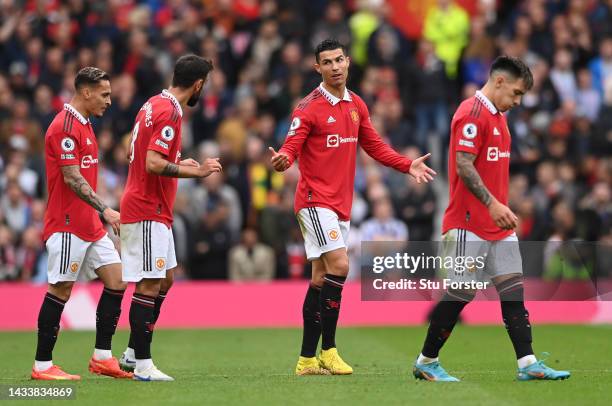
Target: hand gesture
210, 166
502, 215
280, 161
420, 171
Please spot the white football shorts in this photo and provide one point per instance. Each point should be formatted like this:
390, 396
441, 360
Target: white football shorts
322, 231
147, 250
68, 255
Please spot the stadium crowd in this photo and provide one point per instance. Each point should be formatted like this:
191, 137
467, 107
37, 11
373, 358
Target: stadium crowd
240, 225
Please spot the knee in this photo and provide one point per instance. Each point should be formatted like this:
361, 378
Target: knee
511, 289
61, 290
111, 276
339, 266
116, 285
148, 287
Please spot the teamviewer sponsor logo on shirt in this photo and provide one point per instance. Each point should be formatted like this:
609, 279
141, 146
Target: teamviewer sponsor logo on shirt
334, 140
494, 154
87, 161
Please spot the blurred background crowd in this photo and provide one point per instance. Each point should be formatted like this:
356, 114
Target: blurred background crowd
240, 225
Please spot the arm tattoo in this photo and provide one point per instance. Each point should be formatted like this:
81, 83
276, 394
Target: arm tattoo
78, 184
471, 178
171, 170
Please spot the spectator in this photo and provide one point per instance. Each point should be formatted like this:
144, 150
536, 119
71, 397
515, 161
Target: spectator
601, 144
212, 189
17, 170
363, 23
20, 125
30, 253
563, 77
211, 243
16, 208
447, 27
415, 204
480, 52
601, 66
333, 25
383, 226
8, 260
587, 98
251, 260
427, 90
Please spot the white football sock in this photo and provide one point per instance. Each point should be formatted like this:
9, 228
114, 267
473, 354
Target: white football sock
424, 360
142, 364
102, 355
129, 353
42, 365
527, 360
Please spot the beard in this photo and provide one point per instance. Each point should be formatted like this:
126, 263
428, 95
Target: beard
193, 100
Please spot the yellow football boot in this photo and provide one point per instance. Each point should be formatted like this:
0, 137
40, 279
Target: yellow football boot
309, 366
331, 361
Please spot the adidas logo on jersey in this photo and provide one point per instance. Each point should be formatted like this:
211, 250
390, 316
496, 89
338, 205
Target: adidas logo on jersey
331, 120
496, 131
89, 141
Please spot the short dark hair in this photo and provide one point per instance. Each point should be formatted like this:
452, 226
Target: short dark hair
190, 68
514, 67
89, 76
328, 45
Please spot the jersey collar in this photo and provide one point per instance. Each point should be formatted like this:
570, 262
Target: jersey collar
333, 100
485, 100
75, 113
167, 95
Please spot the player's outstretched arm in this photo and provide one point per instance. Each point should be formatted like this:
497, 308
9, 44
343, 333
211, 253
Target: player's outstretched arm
156, 163
501, 214
78, 184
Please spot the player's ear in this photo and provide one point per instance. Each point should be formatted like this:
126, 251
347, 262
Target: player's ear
499, 81
199, 84
317, 68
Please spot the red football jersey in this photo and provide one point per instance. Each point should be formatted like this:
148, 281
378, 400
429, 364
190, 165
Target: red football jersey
70, 140
158, 128
323, 136
478, 128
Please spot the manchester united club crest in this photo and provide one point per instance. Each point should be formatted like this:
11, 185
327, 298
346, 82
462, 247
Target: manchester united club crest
160, 263
355, 116
333, 234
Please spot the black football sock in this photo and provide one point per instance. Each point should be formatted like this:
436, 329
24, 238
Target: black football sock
159, 300
48, 326
141, 322
443, 319
107, 317
515, 315
311, 314
330, 298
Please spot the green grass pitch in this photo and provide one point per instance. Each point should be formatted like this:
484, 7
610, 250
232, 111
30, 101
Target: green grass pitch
247, 366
